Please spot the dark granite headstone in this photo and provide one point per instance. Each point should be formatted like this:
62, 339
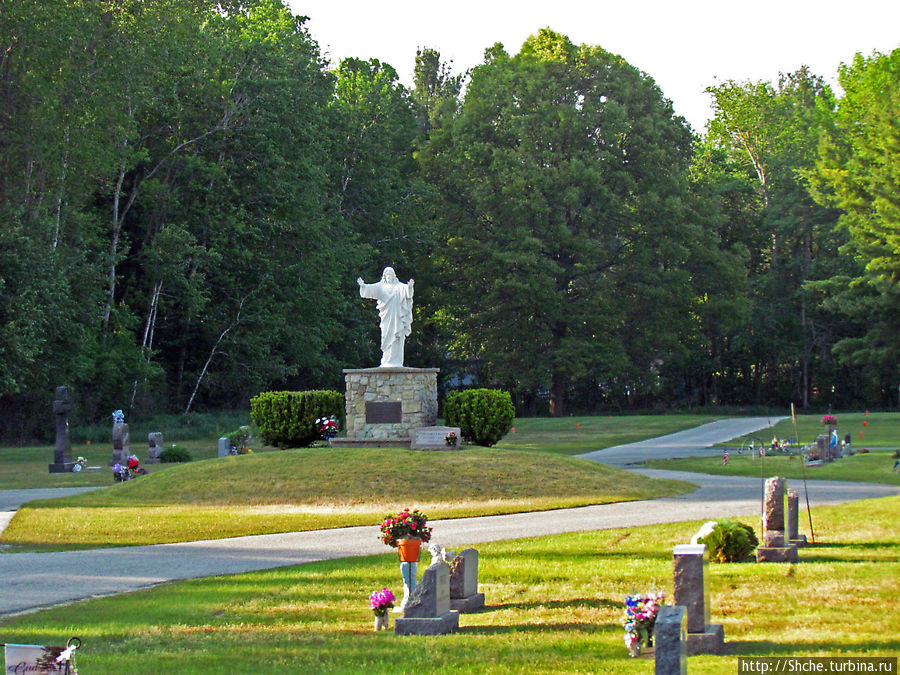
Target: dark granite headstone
669, 640
62, 448
692, 593
121, 441
774, 547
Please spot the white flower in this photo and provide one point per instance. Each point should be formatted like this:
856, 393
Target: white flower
704, 530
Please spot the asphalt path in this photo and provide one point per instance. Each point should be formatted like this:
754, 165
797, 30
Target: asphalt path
696, 442
31, 581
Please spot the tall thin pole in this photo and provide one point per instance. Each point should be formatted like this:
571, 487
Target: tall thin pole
803, 473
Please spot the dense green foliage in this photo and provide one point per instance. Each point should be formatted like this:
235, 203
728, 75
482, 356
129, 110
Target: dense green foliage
188, 190
484, 416
175, 454
730, 541
858, 172
287, 419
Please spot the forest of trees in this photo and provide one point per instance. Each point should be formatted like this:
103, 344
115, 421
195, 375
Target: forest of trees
188, 191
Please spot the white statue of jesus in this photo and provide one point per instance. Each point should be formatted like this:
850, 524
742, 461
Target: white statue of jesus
395, 300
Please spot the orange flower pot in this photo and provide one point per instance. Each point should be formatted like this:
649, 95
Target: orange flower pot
408, 549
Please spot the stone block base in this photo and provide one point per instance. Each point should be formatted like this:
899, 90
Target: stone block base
799, 541
388, 403
711, 641
470, 604
779, 554
62, 467
448, 623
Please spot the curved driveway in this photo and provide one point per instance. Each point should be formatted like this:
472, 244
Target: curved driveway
30, 581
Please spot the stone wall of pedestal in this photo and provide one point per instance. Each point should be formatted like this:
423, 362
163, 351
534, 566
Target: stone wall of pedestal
388, 403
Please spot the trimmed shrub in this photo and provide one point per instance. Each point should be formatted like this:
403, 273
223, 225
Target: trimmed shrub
287, 419
175, 454
730, 541
483, 415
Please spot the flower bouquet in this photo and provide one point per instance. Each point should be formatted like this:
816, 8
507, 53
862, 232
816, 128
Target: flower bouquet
120, 473
405, 525
79, 464
380, 602
639, 619
829, 419
327, 426
450, 439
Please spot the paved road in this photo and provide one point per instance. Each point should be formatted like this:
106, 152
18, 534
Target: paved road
695, 442
30, 581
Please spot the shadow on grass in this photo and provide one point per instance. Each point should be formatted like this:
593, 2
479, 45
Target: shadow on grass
537, 628
767, 648
592, 603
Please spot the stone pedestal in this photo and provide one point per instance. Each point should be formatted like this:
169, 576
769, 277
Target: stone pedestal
692, 592
775, 547
794, 537
428, 610
386, 404
464, 595
121, 444
822, 447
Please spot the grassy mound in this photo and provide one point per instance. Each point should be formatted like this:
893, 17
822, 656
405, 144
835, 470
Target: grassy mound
321, 488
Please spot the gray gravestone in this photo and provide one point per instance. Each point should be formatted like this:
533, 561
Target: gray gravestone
669, 640
155, 441
692, 592
774, 547
434, 438
793, 519
428, 610
464, 595
62, 448
121, 443
224, 447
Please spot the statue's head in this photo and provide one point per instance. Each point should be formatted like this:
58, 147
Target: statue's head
389, 275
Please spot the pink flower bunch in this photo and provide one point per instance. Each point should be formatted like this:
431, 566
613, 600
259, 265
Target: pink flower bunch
829, 419
404, 525
640, 617
381, 601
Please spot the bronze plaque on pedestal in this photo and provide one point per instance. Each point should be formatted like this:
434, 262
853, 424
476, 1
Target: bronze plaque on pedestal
384, 412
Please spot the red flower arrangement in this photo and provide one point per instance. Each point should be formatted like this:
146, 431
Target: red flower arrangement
404, 525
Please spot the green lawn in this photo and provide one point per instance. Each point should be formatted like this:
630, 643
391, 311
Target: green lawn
554, 604
319, 488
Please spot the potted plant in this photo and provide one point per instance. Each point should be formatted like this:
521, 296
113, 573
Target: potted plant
406, 531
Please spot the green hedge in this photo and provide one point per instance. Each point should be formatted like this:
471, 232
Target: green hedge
287, 419
484, 416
